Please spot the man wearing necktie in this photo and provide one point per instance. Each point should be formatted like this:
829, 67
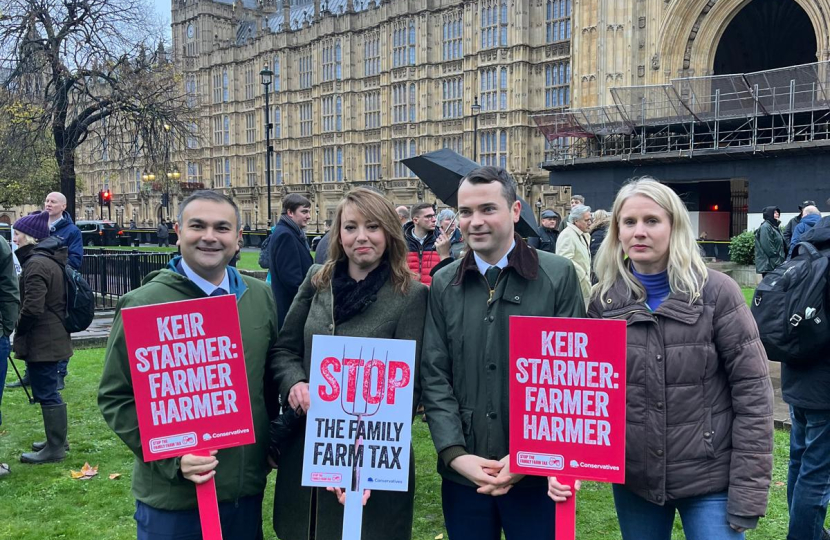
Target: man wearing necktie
464, 367
209, 232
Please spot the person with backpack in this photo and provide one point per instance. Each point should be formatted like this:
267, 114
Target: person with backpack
41, 338
805, 376
289, 256
769, 242
699, 431
789, 230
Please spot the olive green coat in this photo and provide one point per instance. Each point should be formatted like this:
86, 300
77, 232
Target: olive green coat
465, 365
388, 514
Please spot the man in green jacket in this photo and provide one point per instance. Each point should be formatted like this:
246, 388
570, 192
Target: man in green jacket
9, 306
209, 231
465, 367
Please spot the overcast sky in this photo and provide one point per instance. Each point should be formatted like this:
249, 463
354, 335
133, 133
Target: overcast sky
163, 11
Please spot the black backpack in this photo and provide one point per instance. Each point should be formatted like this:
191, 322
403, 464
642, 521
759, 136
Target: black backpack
790, 308
80, 300
263, 253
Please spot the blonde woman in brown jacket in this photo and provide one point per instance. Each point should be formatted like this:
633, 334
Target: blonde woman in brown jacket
699, 403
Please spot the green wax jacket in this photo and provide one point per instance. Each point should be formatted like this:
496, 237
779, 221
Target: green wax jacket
242, 471
9, 293
465, 363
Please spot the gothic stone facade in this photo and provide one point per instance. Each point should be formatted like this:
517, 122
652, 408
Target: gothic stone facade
358, 85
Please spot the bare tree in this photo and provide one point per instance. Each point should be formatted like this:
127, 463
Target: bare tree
90, 71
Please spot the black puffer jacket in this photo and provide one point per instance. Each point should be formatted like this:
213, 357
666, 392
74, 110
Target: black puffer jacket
597, 236
40, 334
699, 401
808, 387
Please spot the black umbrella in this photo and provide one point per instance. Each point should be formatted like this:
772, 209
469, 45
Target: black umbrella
443, 169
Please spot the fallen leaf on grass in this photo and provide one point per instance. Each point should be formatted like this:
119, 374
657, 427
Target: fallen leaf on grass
115, 476
779, 484
440, 537
85, 473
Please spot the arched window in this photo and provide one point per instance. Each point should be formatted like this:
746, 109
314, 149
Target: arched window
225, 91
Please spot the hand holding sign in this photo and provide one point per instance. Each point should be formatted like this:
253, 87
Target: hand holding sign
191, 388
299, 398
567, 405
358, 430
199, 469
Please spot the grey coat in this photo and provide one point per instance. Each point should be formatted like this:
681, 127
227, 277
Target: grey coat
699, 398
388, 515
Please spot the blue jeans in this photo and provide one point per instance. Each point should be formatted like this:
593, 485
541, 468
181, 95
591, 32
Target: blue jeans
44, 379
242, 521
808, 480
63, 367
703, 517
5, 348
524, 512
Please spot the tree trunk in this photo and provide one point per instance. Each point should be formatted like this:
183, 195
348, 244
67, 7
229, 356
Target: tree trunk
66, 166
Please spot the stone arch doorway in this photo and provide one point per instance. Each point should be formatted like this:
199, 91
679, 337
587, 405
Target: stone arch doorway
766, 34
5, 219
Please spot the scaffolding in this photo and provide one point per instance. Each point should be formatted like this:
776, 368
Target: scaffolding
712, 116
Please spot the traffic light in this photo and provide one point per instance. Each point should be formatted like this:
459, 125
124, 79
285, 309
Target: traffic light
107, 196
100, 198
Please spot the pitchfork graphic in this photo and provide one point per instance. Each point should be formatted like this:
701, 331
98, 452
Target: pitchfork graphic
353, 516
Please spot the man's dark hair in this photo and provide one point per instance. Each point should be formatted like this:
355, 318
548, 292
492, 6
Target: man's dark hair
207, 195
294, 201
417, 209
488, 175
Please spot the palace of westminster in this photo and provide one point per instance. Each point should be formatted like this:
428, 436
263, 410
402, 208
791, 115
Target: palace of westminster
359, 85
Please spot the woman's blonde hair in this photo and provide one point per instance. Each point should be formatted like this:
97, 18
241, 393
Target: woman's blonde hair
376, 208
601, 219
30, 240
687, 272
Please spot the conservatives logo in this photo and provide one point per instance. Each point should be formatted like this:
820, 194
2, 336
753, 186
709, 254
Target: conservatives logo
383, 481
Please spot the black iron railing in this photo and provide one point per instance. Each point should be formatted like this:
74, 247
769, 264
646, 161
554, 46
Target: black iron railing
113, 273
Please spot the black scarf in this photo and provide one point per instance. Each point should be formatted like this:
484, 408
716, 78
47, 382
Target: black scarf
352, 297
287, 221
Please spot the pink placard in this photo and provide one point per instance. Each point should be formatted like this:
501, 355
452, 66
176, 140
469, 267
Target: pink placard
188, 374
567, 398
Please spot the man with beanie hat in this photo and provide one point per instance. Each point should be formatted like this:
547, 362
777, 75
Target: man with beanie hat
41, 338
9, 304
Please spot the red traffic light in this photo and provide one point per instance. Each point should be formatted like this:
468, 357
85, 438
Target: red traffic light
107, 196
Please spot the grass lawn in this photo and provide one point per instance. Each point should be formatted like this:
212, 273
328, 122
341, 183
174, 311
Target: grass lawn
748, 294
40, 502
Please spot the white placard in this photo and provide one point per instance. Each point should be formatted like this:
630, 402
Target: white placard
360, 421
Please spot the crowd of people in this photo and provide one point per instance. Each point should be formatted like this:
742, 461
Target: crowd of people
699, 430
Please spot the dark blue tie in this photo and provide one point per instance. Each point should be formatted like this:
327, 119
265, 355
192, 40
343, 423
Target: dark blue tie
219, 291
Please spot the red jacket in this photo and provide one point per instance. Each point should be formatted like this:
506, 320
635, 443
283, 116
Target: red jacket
421, 257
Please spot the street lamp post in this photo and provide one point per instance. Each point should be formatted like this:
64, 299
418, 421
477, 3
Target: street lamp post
476, 109
539, 210
266, 76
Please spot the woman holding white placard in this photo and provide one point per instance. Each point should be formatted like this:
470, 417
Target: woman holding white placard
364, 289
699, 398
